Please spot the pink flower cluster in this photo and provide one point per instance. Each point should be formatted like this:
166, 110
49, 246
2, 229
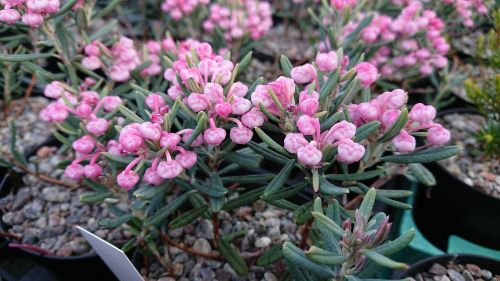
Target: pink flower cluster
463, 8
239, 18
181, 8
33, 11
340, 5
204, 77
386, 108
124, 58
414, 40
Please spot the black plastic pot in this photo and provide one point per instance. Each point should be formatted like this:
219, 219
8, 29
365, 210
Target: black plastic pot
425, 264
453, 207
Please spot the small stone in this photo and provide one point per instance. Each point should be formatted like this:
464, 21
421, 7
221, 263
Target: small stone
205, 229
54, 194
444, 278
467, 275
201, 245
486, 274
438, 269
474, 270
22, 196
175, 233
166, 279
64, 251
43, 152
33, 210
181, 258
223, 275
177, 269
455, 275
263, 242
268, 276
8, 218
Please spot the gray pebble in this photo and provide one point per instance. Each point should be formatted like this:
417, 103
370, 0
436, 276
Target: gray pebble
455, 275
467, 275
437, 269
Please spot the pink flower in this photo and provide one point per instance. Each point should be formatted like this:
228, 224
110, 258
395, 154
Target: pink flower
119, 74
127, 179
197, 102
253, 119
369, 111
98, 126
151, 131
131, 138
404, 142
327, 61
169, 140
223, 109
89, 97
92, 49
309, 154
214, 92
240, 105
339, 131
151, 176
83, 110
111, 102
114, 147
92, 62
37, 6
303, 74
308, 125
422, 113
54, 90
349, 151
366, 73
389, 117
238, 89
84, 145
394, 99
92, 171
74, 171
437, 135
54, 112
9, 16
240, 134
197, 142
294, 141
169, 169
154, 101
187, 159
214, 136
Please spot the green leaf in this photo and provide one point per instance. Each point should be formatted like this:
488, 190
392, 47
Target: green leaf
298, 258
62, 138
272, 144
325, 257
424, 156
210, 190
367, 205
331, 83
118, 159
200, 126
246, 160
271, 117
356, 176
267, 153
395, 129
94, 197
66, 7
328, 123
364, 131
303, 213
383, 260
422, 174
328, 223
108, 9
283, 204
129, 114
270, 256
284, 192
280, 179
327, 187
129, 245
286, 65
244, 199
392, 247
384, 199
116, 222
246, 179
5, 164
187, 217
147, 192
164, 212
23, 57
231, 255
245, 62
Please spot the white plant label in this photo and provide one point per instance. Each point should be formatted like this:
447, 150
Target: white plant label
114, 258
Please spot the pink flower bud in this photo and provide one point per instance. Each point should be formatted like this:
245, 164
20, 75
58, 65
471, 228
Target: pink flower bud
309, 106
327, 61
92, 50
119, 74
169, 169
127, 179
89, 97
294, 141
32, 19
54, 112
92, 62
240, 135
97, 127
197, 142
151, 131
369, 111
437, 135
341, 130
214, 136
422, 113
309, 154
54, 90
186, 159
238, 89
303, 74
394, 99
240, 105
9, 16
404, 142
92, 171
131, 138
84, 145
83, 110
154, 99
253, 119
223, 109
389, 117
214, 92
308, 125
114, 147
74, 171
349, 152
174, 92
153, 47
197, 102
111, 102
152, 177
366, 73
169, 140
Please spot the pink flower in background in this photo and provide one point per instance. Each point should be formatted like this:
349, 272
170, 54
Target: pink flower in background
349, 151
309, 154
404, 142
366, 73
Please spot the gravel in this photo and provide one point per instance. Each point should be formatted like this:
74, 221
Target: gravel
260, 222
456, 272
45, 215
30, 131
470, 166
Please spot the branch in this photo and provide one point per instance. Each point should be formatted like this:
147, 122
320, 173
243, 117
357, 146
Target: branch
188, 249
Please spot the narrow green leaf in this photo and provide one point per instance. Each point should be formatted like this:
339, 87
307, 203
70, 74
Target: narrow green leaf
246, 160
383, 260
280, 179
129, 245
116, 222
163, 213
244, 199
129, 114
234, 259
367, 205
328, 123
23, 57
245, 62
286, 65
187, 217
424, 156
147, 192
118, 159
364, 131
395, 129
246, 179
272, 144
328, 223
66, 7
331, 83
298, 258
267, 153
108, 9
94, 197
392, 247
322, 256
284, 192
210, 190
327, 187
422, 174
283, 204
200, 126
270, 256
356, 176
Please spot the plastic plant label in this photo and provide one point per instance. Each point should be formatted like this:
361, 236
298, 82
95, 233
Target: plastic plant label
114, 258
